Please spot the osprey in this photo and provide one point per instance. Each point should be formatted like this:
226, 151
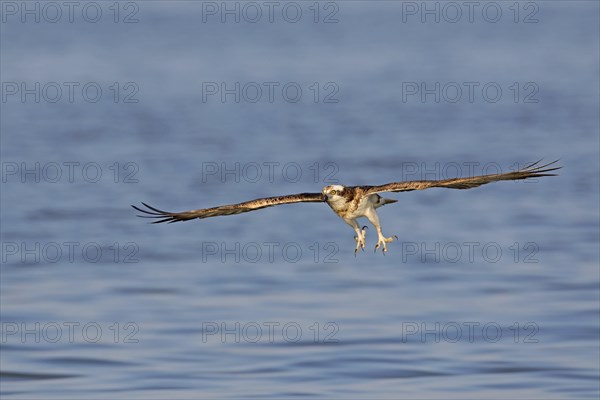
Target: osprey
350, 202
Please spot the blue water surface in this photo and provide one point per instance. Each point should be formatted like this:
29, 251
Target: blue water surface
487, 293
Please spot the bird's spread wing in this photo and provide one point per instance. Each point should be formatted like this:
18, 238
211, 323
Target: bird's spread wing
531, 171
231, 209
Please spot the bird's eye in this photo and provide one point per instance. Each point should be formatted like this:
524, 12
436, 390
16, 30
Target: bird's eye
333, 192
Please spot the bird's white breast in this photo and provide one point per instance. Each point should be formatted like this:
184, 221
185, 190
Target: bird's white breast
366, 203
351, 210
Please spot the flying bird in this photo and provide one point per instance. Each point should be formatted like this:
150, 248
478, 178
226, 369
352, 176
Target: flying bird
351, 202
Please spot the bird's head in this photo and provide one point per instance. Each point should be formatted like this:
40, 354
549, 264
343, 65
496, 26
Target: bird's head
333, 193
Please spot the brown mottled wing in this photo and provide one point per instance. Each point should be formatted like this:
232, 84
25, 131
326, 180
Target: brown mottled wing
531, 171
165, 216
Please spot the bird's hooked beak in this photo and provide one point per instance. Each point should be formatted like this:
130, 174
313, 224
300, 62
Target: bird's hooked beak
323, 197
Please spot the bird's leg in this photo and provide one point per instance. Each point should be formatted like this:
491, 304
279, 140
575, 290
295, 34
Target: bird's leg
381, 240
360, 235
360, 238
